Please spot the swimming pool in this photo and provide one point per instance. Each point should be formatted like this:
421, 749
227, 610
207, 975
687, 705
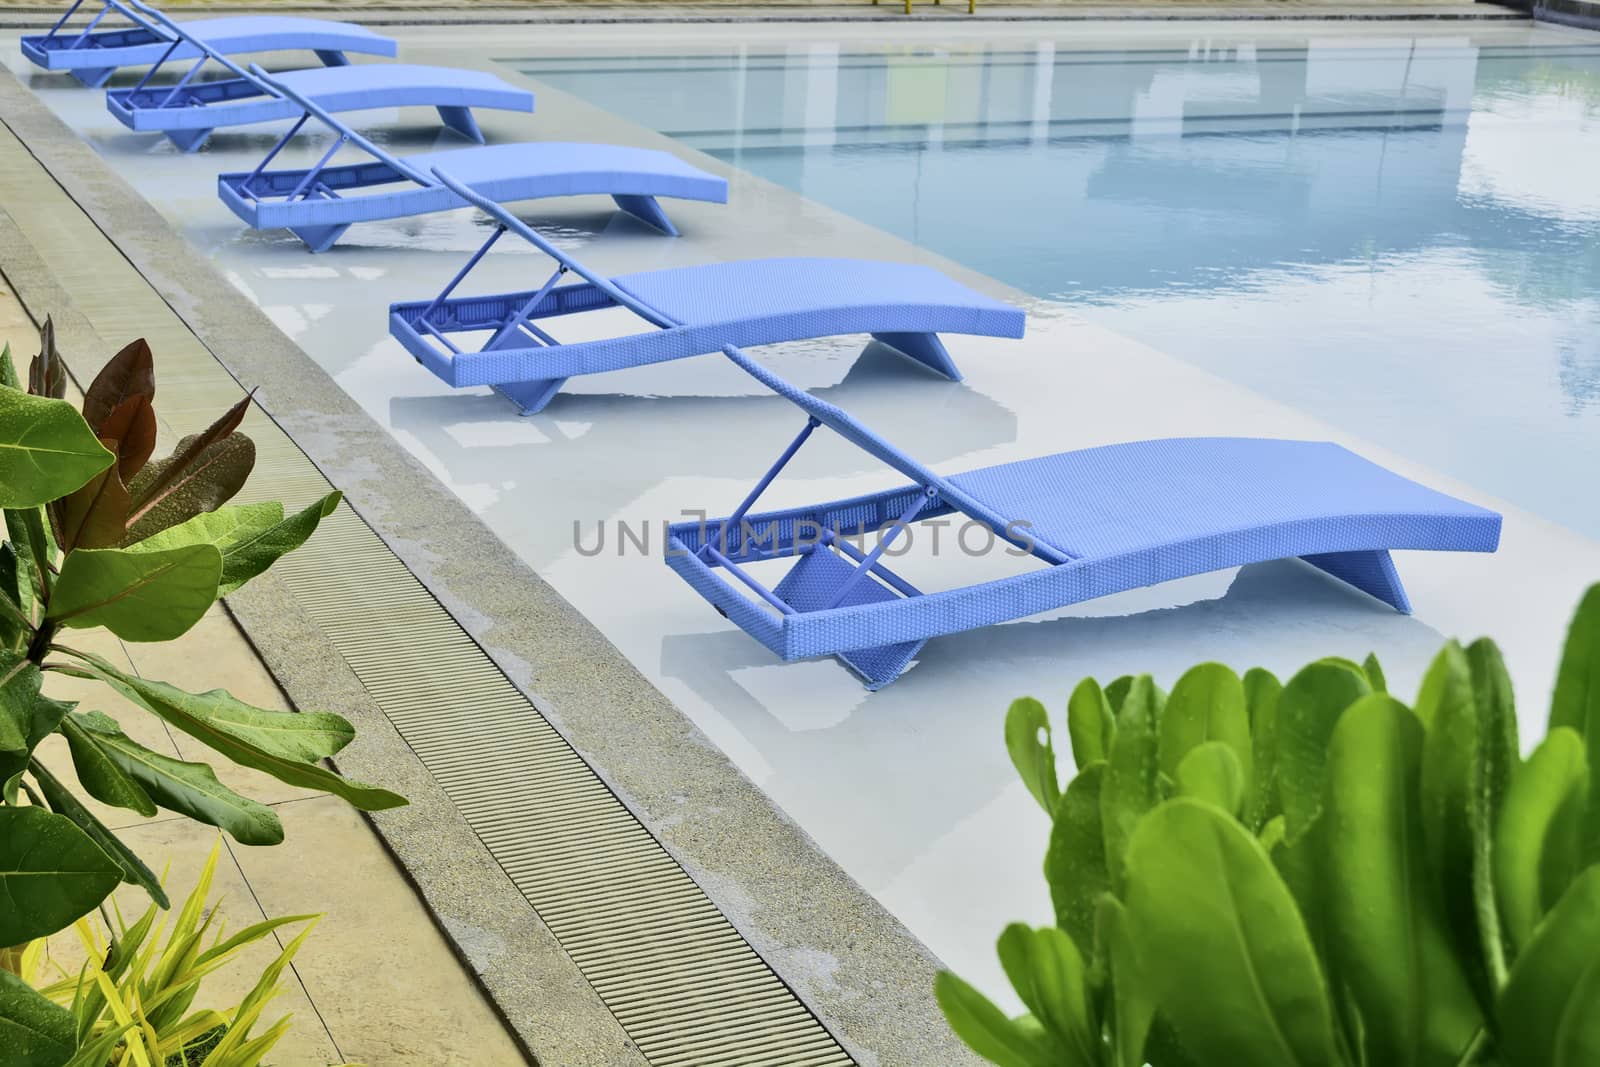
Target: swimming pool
1400, 236
909, 789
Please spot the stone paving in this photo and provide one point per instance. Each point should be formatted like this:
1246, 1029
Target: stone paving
377, 982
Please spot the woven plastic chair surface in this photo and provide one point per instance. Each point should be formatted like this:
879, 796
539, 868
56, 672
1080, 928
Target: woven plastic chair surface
1128, 497
230, 35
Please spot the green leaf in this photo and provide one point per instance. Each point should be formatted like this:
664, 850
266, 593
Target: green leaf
50, 873
1457, 832
1308, 709
190, 789
62, 802
25, 711
205, 718
1222, 944
137, 595
1090, 724
19, 686
34, 1031
25, 527
1386, 941
8, 369
306, 736
1117, 692
1576, 703
1550, 1008
251, 537
1133, 774
1046, 970
1207, 704
1374, 672
46, 450
1499, 755
16, 620
1261, 692
1032, 753
1075, 863
99, 1051
1211, 772
985, 1028
42, 717
1533, 845
1132, 1008
99, 774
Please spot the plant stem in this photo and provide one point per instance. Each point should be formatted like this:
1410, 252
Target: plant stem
41, 641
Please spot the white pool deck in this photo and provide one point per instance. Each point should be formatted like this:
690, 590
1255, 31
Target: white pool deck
909, 789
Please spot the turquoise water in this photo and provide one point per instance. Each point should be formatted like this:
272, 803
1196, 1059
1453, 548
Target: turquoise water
1397, 237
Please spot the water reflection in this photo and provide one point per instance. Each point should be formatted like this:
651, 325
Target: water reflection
948, 714
1399, 236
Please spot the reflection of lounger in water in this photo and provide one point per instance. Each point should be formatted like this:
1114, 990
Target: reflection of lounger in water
687, 311
827, 760
93, 54
1102, 520
320, 203
188, 111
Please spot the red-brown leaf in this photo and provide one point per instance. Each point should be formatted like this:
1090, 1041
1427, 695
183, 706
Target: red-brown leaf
128, 374
47, 376
189, 450
132, 425
96, 514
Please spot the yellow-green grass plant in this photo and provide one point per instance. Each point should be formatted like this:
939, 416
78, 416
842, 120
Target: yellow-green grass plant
132, 1000
100, 536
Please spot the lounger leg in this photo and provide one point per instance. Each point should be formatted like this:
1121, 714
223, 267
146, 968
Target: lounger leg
811, 585
646, 210
1371, 572
188, 140
332, 57
460, 120
319, 238
94, 77
531, 397
925, 348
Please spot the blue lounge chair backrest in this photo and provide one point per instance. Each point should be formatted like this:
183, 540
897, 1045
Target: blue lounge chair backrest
841, 423
316, 111
521, 229
158, 23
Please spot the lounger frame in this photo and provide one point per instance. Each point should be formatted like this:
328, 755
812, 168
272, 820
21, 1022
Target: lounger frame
93, 55
308, 201
187, 111
842, 600
523, 362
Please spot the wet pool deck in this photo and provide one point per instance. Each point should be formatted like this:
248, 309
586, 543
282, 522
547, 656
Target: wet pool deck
852, 962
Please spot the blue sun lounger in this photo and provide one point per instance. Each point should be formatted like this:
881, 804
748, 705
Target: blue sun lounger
188, 111
92, 55
318, 204
691, 311
1099, 520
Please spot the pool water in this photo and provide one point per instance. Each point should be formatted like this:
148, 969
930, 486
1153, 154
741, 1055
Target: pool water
1398, 237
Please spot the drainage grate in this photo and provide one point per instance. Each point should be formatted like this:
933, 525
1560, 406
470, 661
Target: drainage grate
684, 984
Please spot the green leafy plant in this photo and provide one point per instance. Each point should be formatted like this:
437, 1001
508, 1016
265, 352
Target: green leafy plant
100, 535
132, 1000
1313, 873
